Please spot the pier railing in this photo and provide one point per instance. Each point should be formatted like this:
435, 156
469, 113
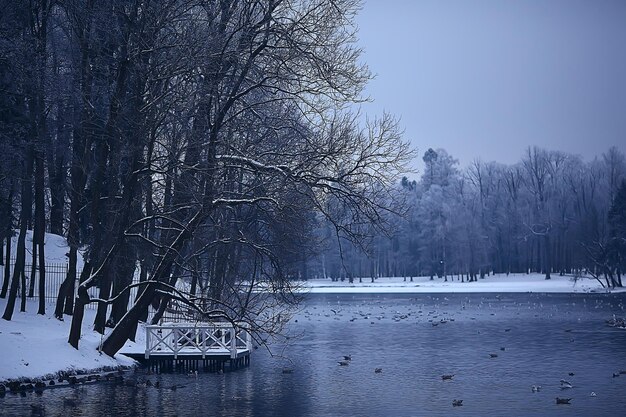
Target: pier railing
190, 339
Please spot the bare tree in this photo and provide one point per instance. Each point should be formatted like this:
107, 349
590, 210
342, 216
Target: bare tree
304, 148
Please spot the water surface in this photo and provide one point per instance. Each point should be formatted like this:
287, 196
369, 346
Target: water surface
539, 339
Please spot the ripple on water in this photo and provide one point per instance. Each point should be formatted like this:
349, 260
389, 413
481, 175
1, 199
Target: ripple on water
412, 353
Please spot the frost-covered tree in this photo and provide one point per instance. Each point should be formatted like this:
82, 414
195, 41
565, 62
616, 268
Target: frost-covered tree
542, 214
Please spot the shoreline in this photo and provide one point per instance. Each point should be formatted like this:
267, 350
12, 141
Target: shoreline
513, 283
34, 347
63, 379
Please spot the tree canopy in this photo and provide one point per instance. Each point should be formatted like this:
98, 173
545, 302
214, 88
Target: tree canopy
191, 138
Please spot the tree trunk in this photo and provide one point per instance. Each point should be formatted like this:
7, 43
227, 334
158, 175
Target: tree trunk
33, 268
61, 297
78, 177
194, 281
143, 317
18, 271
77, 318
143, 277
165, 300
124, 273
20, 259
118, 336
7, 269
548, 256
65, 297
56, 155
8, 212
72, 272
82, 298
105, 292
42, 278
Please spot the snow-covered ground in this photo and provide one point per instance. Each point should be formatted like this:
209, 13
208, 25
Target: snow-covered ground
33, 345
493, 283
56, 253
56, 249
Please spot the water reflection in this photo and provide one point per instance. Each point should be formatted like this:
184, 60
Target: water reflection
538, 340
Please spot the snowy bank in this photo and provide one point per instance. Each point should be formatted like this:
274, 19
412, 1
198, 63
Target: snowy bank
490, 284
32, 345
56, 249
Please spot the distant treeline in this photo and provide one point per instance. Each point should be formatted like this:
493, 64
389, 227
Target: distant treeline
551, 213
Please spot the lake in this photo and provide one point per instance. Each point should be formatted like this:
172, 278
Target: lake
539, 339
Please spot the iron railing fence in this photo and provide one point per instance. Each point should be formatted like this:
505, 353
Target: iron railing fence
55, 274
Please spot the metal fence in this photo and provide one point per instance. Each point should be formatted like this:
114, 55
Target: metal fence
55, 275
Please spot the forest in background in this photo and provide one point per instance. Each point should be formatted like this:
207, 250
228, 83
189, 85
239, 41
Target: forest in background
550, 213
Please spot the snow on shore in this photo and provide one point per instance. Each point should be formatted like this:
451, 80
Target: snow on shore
490, 284
33, 345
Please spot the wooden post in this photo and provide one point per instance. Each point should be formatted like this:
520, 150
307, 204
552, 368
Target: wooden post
233, 343
204, 333
248, 338
148, 331
175, 342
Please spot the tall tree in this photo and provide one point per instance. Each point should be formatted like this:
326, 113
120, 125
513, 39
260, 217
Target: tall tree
303, 146
617, 242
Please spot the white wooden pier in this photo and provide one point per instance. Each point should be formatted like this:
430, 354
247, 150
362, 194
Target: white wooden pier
191, 346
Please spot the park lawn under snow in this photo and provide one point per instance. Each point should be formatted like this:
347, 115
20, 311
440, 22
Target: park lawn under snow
490, 284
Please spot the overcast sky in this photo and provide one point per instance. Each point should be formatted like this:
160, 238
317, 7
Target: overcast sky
488, 78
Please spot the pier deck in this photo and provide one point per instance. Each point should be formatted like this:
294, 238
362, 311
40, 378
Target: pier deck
195, 345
